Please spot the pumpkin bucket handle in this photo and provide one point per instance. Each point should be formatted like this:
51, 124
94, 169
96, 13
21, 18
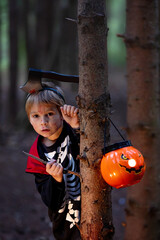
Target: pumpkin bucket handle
105, 128
116, 129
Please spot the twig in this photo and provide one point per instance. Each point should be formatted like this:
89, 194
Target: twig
44, 162
71, 19
74, 173
120, 35
78, 227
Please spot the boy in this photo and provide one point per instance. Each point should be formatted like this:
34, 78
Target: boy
56, 143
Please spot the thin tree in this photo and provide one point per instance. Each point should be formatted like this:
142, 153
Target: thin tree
143, 201
0, 61
13, 63
28, 28
159, 39
93, 100
50, 39
1, 109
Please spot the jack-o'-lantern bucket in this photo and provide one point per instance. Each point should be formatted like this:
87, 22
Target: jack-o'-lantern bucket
122, 165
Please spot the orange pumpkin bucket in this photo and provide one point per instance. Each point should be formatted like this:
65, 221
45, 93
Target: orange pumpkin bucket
122, 165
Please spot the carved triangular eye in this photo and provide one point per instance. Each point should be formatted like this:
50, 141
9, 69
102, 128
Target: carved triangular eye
124, 157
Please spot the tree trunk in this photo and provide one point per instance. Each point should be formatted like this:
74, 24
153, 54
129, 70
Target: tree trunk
68, 52
13, 55
56, 57
29, 33
50, 39
93, 101
0, 66
44, 22
143, 200
159, 40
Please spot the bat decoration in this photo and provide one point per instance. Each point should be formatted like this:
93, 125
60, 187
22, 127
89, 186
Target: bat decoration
122, 165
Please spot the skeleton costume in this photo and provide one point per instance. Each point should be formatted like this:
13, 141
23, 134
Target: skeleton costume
62, 199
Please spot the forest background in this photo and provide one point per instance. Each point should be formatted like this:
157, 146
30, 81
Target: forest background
41, 34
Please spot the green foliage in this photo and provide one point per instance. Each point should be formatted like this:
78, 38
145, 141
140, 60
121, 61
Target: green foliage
116, 25
4, 33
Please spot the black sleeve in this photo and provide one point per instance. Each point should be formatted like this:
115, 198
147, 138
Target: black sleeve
52, 192
76, 133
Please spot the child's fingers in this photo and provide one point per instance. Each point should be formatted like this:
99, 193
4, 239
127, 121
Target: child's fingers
59, 169
70, 115
64, 109
56, 169
69, 110
76, 110
53, 168
73, 111
50, 164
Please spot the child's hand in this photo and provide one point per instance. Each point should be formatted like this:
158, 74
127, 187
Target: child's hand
55, 170
70, 115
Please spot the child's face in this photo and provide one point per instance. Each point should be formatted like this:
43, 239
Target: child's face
45, 119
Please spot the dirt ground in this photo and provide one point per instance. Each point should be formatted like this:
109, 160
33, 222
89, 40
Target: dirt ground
22, 214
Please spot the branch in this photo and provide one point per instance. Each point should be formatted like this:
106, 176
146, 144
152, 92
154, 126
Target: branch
74, 173
121, 35
72, 20
44, 162
78, 227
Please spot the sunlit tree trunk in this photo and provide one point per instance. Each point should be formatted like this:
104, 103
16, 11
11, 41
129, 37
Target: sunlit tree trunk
143, 200
93, 100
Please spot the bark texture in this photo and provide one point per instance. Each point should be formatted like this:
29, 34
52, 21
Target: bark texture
93, 101
143, 201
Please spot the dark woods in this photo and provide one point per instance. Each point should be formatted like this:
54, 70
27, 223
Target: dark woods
39, 36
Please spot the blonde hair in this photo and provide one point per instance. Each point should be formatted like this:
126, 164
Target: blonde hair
46, 96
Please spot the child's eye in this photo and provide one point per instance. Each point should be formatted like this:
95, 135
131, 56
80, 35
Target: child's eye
35, 116
50, 114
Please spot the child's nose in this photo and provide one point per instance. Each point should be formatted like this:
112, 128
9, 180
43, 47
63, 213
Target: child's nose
44, 120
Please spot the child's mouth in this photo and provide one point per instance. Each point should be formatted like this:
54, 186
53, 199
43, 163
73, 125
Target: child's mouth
45, 130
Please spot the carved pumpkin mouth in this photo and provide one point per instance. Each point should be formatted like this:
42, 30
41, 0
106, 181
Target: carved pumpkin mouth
137, 171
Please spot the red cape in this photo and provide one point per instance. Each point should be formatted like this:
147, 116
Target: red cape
33, 165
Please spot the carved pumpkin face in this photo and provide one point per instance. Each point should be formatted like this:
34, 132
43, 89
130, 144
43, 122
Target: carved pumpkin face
122, 167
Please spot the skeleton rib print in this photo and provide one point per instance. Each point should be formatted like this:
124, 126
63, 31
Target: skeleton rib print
63, 155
